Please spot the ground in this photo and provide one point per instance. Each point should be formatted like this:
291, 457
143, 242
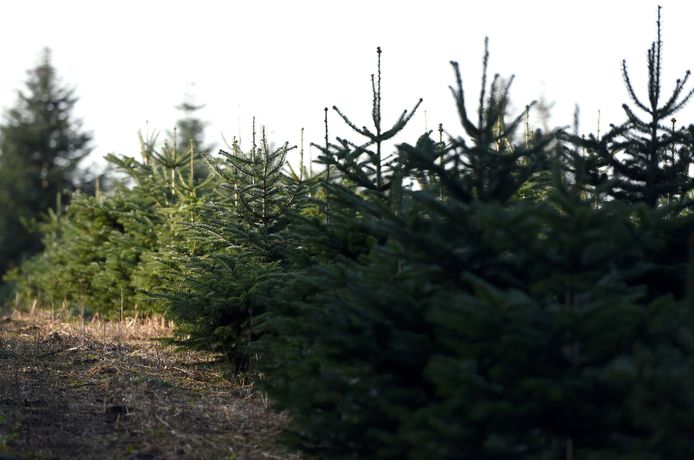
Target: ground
111, 390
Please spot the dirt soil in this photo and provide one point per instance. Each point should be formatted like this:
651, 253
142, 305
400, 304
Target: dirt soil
110, 390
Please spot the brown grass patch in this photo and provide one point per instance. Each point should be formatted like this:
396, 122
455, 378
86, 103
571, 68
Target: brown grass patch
110, 390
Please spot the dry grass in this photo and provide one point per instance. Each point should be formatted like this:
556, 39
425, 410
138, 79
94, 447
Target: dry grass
110, 390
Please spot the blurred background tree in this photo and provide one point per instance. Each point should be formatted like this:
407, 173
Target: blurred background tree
190, 127
190, 133
41, 146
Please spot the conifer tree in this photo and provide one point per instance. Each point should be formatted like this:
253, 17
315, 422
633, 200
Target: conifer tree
189, 135
261, 191
104, 253
646, 160
169, 195
189, 128
483, 165
501, 310
354, 169
243, 233
647, 156
483, 324
366, 164
41, 144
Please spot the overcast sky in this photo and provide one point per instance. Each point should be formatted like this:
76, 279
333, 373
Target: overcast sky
283, 61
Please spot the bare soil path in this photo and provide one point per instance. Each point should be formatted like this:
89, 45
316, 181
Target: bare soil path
100, 390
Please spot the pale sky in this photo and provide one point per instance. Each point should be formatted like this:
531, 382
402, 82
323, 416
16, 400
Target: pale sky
283, 61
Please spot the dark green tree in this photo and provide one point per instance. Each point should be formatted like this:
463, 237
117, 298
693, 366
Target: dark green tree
484, 164
41, 145
645, 160
104, 252
240, 238
486, 320
366, 164
647, 156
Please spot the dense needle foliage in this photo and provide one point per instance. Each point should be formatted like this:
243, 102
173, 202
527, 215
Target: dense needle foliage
497, 294
41, 146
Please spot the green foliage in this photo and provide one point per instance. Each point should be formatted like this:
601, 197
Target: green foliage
499, 312
243, 234
648, 157
90, 253
41, 145
483, 166
189, 128
99, 254
478, 297
365, 164
645, 160
189, 134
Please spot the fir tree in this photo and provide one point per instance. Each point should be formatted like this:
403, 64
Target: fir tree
366, 164
504, 309
483, 165
189, 136
105, 252
243, 234
647, 157
189, 128
41, 144
481, 323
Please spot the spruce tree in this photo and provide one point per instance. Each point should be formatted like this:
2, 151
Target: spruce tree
647, 157
645, 160
483, 165
189, 128
487, 322
41, 144
366, 164
109, 253
242, 239
189, 136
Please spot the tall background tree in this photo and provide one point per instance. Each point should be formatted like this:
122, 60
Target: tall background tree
41, 145
190, 128
189, 133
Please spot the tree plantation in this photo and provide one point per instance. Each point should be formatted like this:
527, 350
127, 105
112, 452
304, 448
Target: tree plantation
490, 291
